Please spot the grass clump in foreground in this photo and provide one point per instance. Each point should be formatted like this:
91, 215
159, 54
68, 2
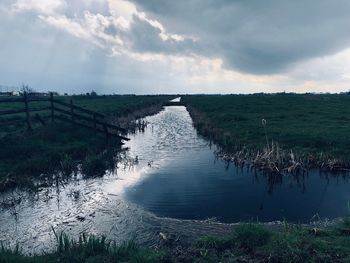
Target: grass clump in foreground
89, 249
305, 130
247, 243
256, 243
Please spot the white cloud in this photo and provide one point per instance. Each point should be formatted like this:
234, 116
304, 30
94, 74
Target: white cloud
90, 27
123, 11
124, 30
333, 68
72, 27
47, 7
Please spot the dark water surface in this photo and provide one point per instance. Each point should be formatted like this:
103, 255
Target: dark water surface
175, 175
192, 184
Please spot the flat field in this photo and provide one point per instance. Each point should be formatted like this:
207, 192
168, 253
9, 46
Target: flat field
307, 124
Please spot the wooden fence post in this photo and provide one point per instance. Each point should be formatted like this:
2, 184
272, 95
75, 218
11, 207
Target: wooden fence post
72, 110
52, 108
27, 110
106, 130
41, 120
95, 125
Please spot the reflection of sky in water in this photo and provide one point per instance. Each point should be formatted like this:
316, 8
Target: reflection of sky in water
187, 182
178, 176
176, 99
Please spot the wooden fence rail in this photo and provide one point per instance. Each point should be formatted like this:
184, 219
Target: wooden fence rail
68, 112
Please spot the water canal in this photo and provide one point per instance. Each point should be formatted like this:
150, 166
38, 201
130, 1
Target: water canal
176, 175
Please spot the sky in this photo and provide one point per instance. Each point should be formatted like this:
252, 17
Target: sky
175, 47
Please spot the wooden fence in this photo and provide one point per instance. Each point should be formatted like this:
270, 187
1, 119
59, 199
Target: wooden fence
68, 112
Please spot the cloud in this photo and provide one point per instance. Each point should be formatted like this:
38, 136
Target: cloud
259, 37
150, 37
120, 30
91, 27
42, 6
151, 46
122, 8
254, 37
57, 52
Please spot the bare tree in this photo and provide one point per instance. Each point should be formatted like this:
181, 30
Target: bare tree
26, 89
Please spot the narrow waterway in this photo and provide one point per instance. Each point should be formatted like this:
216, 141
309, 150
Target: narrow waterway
174, 174
186, 181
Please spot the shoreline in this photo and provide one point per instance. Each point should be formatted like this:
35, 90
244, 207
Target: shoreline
95, 156
271, 159
122, 221
182, 240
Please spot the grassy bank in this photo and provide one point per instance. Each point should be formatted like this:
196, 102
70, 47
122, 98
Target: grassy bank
246, 243
87, 249
256, 243
300, 130
51, 153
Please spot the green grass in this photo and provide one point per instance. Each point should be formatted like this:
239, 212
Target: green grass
112, 105
55, 150
89, 249
52, 151
118, 104
108, 104
313, 125
248, 242
259, 244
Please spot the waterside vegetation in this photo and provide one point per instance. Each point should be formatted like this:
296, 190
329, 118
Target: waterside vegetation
47, 154
88, 249
279, 133
247, 242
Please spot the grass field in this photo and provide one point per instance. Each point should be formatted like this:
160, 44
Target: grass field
57, 148
109, 105
247, 242
313, 126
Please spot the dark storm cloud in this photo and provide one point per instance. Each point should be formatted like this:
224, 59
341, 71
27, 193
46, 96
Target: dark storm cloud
144, 37
259, 37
